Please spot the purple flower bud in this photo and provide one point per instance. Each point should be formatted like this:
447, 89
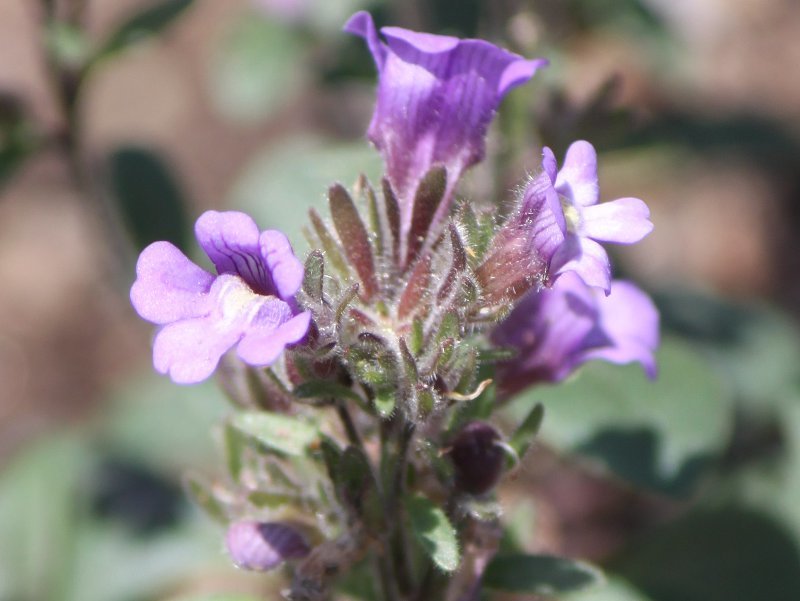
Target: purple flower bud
249, 304
263, 546
477, 457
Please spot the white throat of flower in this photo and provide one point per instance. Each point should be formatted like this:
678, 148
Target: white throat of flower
238, 302
572, 214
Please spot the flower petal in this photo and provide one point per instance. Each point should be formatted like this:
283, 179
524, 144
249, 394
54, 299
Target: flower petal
631, 321
362, 25
284, 267
231, 241
263, 344
168, 285
625, 220
577, 179
549, 329
586, 258
189, 350
436, 97
541, 214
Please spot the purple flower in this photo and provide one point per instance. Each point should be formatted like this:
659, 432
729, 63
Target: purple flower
249, 304
557, 329
436, 98
263, 546
625, 220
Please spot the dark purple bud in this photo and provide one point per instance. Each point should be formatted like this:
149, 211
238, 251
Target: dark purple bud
263, 546
477, 457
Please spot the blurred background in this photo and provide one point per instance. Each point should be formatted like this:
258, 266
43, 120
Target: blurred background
121, 121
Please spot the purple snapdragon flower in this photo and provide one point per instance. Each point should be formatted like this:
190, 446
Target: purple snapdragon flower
436, 98
250, 303
624, 221
558, 329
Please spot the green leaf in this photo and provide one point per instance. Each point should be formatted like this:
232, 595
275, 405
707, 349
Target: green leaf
145, 24
257, 69
164, 426
718, 554
539, 574
659, 435
219, 597
615, 589
37, 526
523, 437
281, 433
149, 198
434, 532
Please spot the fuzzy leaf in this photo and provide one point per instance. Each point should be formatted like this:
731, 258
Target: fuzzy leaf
377, 225
354, 238
415, 289
458, 263
314, 275
539, 574
345, 300
287, 435
385, 401
333, 251
434, 532
429, 196
392, 209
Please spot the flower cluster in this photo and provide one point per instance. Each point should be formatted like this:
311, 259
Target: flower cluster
408, 308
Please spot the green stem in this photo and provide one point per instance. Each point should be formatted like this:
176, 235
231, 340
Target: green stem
349, 426
401, 551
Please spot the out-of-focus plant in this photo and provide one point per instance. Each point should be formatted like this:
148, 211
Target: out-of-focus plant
383, 389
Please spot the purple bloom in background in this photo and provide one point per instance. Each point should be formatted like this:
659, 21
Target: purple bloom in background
264, 545
249, 304
436, 98
625, 220
557, 329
